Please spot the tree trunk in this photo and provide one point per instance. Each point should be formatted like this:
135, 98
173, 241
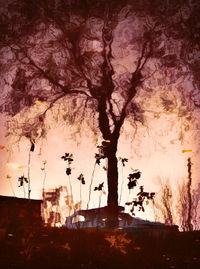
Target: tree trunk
110, 153
112, 177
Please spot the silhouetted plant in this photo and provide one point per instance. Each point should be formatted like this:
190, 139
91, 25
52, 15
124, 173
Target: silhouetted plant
133, 178
11, 185
98, 156
82, 182
141, 196
123, 161
99, 188
68, 157
32, 148
23, 180
91, 182
44, 178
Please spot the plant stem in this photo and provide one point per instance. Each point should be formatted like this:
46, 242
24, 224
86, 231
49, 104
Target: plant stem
11, 186
90, 189
80, 194
44, 179
121, 185
100, 196
24, 191
70, 184
29, 181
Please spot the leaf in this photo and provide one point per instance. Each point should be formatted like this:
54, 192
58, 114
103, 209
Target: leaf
67, 157
81, 178
68, 171
40, 102
123, 161
32, 147
132, 184
151, 195
98, 158
25, 179
186, 150
99, 188
21, 180
98, 161
26, 131
136, 175
41, 119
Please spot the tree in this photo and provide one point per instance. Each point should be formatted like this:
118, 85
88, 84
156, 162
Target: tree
69, 52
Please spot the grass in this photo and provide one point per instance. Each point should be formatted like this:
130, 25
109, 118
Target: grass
99, 248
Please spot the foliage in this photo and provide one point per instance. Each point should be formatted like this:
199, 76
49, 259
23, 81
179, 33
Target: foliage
22, 180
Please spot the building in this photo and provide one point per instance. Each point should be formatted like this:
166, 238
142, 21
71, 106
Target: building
16, 213
97, 217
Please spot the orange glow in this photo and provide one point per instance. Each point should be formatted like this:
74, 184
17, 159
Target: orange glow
39, 102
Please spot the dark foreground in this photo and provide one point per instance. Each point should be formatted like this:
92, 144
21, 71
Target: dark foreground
61, 248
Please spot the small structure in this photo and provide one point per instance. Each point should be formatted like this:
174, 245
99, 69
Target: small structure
96, 217
16, 213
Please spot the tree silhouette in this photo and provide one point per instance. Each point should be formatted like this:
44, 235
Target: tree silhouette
68, 53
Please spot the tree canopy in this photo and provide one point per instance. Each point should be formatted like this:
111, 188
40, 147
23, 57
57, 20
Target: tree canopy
56, 50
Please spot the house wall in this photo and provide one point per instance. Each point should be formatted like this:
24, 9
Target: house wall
16, 213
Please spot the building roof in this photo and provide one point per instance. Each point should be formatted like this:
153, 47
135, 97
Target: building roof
11, 199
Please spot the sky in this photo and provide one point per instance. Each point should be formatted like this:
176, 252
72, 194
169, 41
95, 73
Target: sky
159, 161
156, 146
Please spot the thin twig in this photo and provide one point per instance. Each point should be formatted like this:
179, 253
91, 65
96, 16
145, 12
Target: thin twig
90, 189
71, 192
24, 191
80, 194
100, 196
29, 181
44, 178
121, 185
11, 186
